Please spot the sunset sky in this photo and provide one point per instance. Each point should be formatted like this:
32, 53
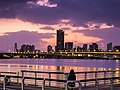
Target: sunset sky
36, 21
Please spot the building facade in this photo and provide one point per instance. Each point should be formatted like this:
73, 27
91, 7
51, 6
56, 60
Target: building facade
60, 40
109, 47
68, 46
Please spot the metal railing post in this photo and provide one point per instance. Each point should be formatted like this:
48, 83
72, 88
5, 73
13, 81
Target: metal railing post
22, 84
65, 76
4, 84
85, 78
95, 77
111, 84
35, 78
97, 85
113, 74
49, 78
80, 88
18, 76
66, 85
43, 85
22, 74
105, 75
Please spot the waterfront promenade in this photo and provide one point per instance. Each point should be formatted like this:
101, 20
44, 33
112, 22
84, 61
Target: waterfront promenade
96, 83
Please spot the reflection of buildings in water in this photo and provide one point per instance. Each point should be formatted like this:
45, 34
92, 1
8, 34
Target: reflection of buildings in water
60, 69
19, 67
117, 73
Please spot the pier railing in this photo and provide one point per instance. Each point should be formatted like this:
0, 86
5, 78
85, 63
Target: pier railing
22, 84
80, 75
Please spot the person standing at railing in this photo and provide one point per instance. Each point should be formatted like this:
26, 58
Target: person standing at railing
71, 77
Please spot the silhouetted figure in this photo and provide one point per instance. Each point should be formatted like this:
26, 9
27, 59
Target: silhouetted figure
71, 77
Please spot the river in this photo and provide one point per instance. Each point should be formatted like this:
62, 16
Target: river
60, 65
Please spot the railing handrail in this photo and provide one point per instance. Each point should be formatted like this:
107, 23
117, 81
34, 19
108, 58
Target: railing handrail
59, 80
8, 72
42, 72
68, 73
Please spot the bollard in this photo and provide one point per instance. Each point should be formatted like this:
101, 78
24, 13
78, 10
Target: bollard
22, 84
43, 85
4, 84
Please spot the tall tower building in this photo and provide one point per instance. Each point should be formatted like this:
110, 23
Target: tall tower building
15, 47
109, 47
60, 40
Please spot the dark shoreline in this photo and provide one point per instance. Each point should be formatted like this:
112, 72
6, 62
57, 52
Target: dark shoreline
64, 57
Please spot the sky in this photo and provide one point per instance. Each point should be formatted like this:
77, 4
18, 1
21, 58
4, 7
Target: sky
35, 22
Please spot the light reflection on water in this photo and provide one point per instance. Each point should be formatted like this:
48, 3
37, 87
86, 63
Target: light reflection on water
52, 64
61, 65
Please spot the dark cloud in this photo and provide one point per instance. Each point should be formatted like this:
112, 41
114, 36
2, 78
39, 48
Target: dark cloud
11, 8
108, 35
24, 37
47, 28
79, 11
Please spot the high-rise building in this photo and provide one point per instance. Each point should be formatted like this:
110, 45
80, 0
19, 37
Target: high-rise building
68, 46
31, 48
93, 47
27, 48
109, 47
15, 48
60, 40
23, 48
85, 47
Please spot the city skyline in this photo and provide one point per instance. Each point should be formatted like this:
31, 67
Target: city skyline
36, 21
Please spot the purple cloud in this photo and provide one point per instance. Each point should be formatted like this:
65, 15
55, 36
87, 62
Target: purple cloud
24, 37
108, 35
78, 11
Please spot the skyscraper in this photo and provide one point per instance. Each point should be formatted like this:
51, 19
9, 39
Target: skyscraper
15, 48
109, 47
85, 47
60, 40
93, 47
